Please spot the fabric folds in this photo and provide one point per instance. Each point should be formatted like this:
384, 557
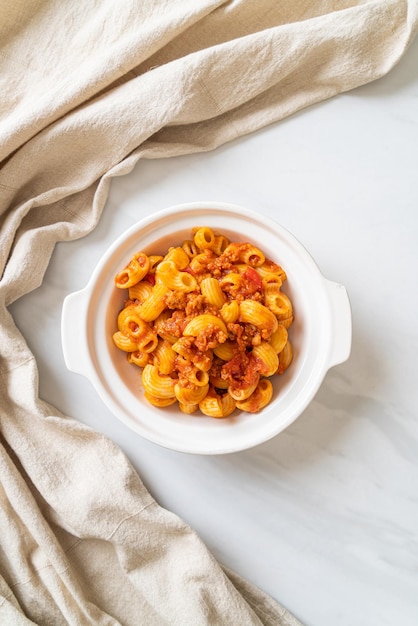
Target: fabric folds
87, 89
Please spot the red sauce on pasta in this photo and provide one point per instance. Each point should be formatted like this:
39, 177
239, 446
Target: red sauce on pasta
174, 297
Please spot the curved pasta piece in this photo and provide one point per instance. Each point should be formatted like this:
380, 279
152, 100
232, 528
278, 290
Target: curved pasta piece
279, 303
155, 304
246, 253
171, 339
159, 386
259, 399
174, 279
154, 259
148, 342
285, 357
164, 357
138, 358
215, 405
199, 377
196, 377
271, 282
225, 351
269, 267
123, 342
135, 271
268, 355
279, 338
190, 248
140, 291
220, 244
131, 324
287, 322
230, 312
198, 265
138, 330
204, 237
199, 323
159, 402
255, 313
231, 280
251, 255
178, 256
192, 395
124, 314
242, 394
211, 290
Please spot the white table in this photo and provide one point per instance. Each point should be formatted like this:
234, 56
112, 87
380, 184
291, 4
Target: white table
325, 516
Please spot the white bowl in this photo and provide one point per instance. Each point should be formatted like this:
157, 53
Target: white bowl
320, 334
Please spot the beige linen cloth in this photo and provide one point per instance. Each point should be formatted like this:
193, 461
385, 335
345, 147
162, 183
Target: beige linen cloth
86, 90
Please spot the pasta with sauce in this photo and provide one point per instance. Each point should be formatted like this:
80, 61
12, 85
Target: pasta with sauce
207, 324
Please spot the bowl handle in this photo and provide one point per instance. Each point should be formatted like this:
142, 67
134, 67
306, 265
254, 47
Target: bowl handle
74, 334
341, 320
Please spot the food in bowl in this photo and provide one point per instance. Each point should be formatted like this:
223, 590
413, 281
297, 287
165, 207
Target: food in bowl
320, 333
207, 324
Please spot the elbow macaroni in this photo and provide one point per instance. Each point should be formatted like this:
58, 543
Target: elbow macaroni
207, 324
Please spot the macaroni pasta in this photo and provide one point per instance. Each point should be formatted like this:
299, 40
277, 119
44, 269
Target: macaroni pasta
207, 324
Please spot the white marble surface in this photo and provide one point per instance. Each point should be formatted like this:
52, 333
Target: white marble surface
325, 516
